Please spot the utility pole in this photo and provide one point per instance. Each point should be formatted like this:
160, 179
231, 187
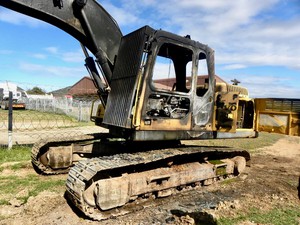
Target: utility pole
10, 119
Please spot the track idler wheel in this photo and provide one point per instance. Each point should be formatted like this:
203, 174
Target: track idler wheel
57, 157
239, 164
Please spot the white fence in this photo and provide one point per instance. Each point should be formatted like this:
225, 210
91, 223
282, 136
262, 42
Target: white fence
44, 119
78, 109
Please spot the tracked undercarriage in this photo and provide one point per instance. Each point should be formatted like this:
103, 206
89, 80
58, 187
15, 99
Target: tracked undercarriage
57, 155
111, 186
124, 175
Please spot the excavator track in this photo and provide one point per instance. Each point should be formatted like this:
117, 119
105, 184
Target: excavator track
58, 155
55, 156
110, 186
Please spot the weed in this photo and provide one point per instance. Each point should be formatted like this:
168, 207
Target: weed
20, 165
12, 185
28, 119
18, 153
229, 181
276, 216
32, 115
251, 144
3, 202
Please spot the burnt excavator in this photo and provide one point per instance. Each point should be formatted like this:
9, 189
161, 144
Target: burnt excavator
147, 110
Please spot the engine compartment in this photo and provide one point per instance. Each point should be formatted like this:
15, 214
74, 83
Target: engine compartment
170, 106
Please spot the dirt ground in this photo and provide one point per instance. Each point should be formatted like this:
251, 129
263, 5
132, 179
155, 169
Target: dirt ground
271, 180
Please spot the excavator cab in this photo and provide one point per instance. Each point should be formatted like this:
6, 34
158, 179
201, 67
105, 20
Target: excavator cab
169, 92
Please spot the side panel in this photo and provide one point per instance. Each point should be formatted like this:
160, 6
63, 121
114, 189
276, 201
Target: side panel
125, 75
226, 111
278, 115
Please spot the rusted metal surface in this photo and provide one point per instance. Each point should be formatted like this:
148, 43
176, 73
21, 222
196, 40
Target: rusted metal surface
226, 112
56, 155
130, 186
112, 185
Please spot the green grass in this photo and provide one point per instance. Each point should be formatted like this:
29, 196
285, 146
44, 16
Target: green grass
45, 119
20, 165
264, 139
16, 154
229, 181
32, 115
276, 216
12, 185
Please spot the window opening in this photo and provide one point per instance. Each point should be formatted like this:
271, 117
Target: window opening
172, 69
203, 77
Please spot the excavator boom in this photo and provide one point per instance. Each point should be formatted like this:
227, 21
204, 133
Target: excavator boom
87, 21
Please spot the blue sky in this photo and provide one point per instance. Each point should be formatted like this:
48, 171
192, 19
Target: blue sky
256, 42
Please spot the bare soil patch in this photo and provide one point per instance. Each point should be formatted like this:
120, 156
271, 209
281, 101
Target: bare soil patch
272, 180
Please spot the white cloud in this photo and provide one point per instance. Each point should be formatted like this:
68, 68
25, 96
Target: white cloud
267, 85
121, 15
273, 91
6, 52
72, 56
52, 50
233, 66
52, 71
39, 56
75, 56
242, 32
15, 18
216, 16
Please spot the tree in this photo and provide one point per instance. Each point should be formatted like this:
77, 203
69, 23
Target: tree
36, 91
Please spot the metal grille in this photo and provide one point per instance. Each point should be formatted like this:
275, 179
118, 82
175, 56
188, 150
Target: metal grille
120, 100
283, 105
296, 106
235, 88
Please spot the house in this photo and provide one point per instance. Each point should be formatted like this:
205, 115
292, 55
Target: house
60, 92
167, 83
83, 89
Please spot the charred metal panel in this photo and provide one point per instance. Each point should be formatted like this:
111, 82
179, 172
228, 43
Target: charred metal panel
171, 103
171, 135
188, 135
125, 75
203, 110
203, 106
